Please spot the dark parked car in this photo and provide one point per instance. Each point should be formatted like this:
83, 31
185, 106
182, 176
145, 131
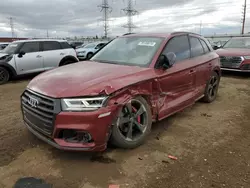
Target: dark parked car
235, 55
133, 81
76, 44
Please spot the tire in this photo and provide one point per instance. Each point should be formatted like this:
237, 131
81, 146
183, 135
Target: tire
208, 96
66, 62
117, 136
4, 75
89, 55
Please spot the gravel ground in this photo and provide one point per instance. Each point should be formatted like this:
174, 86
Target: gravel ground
211, 143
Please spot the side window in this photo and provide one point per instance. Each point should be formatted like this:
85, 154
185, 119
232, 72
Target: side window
180, 46
100, 45
205, 47
196, 48
51, 45
65, 45
30, 47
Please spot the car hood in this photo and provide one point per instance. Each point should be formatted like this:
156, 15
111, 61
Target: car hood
233, 52
88, 79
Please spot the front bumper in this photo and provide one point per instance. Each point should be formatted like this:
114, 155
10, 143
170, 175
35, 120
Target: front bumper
96, 123
81, 56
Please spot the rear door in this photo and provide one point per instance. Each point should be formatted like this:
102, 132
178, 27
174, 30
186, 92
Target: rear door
201, 56
177, 83
52, 53
31, 61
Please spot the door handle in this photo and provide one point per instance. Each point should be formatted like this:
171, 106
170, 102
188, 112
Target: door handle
38, 56
191, 71
62, 53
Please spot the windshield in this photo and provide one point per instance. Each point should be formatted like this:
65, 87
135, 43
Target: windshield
137, 51
90, 46
238, 43
11, 48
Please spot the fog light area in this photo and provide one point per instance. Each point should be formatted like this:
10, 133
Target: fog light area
74, 136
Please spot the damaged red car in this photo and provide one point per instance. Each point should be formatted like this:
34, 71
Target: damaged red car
133, 81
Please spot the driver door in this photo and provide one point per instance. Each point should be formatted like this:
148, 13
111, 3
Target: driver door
31, 61
177, 83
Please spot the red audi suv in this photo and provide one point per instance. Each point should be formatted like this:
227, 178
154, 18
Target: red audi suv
133, 81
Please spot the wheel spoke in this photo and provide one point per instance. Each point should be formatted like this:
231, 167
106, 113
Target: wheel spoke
210, 91
140, 112
129, 107
123, 120
139, 126
130, 131
215, 83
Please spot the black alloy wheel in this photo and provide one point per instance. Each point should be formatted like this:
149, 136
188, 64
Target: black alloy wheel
212, 88
4, 75
133, 124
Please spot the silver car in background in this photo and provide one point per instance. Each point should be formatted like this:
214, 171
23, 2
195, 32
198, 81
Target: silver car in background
88, 50
33, 56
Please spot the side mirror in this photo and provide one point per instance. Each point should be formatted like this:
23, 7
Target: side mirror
97, 47
171, 58
167, 61
21, 54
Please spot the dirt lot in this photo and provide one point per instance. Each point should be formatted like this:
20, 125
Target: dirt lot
211, 142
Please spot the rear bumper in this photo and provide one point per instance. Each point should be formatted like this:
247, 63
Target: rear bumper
234, 70
97, 124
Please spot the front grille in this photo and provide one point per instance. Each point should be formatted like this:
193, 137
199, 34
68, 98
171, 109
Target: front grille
40, 115
230, 62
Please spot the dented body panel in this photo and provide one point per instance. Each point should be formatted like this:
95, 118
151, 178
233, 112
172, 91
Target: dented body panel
167, 91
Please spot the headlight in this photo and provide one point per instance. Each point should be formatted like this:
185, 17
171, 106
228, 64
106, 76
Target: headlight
246, 57
83, 104
81, 52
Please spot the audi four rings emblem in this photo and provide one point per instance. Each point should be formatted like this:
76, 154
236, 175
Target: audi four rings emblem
33, 102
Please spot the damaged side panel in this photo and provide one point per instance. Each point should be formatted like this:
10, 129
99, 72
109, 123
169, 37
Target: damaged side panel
149, 89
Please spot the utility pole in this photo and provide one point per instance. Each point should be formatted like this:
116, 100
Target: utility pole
130, 12
244, 17
200, 27
12, 27
106, 9
47, 33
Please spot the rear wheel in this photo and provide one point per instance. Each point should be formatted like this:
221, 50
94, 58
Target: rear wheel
67, 62
212, 88
4, 75
133, 124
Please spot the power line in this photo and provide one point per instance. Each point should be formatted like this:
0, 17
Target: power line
130, 12
106, 9
244, 18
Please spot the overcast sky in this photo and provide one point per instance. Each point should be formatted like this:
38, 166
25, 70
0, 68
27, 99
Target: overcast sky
32, 18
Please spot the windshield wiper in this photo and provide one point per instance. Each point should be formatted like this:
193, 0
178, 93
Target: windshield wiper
109, 62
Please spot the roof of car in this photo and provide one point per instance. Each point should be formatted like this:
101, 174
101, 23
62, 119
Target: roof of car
40, 40
97, 42
163, 35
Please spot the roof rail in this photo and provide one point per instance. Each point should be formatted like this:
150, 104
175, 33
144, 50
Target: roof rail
184, 32
127, 34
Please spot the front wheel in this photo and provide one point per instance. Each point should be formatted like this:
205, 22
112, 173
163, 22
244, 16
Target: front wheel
4, 75
89, 55
132, 125
211, 89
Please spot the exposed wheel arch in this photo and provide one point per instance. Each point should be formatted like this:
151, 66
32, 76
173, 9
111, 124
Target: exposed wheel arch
10, 69
68, 58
